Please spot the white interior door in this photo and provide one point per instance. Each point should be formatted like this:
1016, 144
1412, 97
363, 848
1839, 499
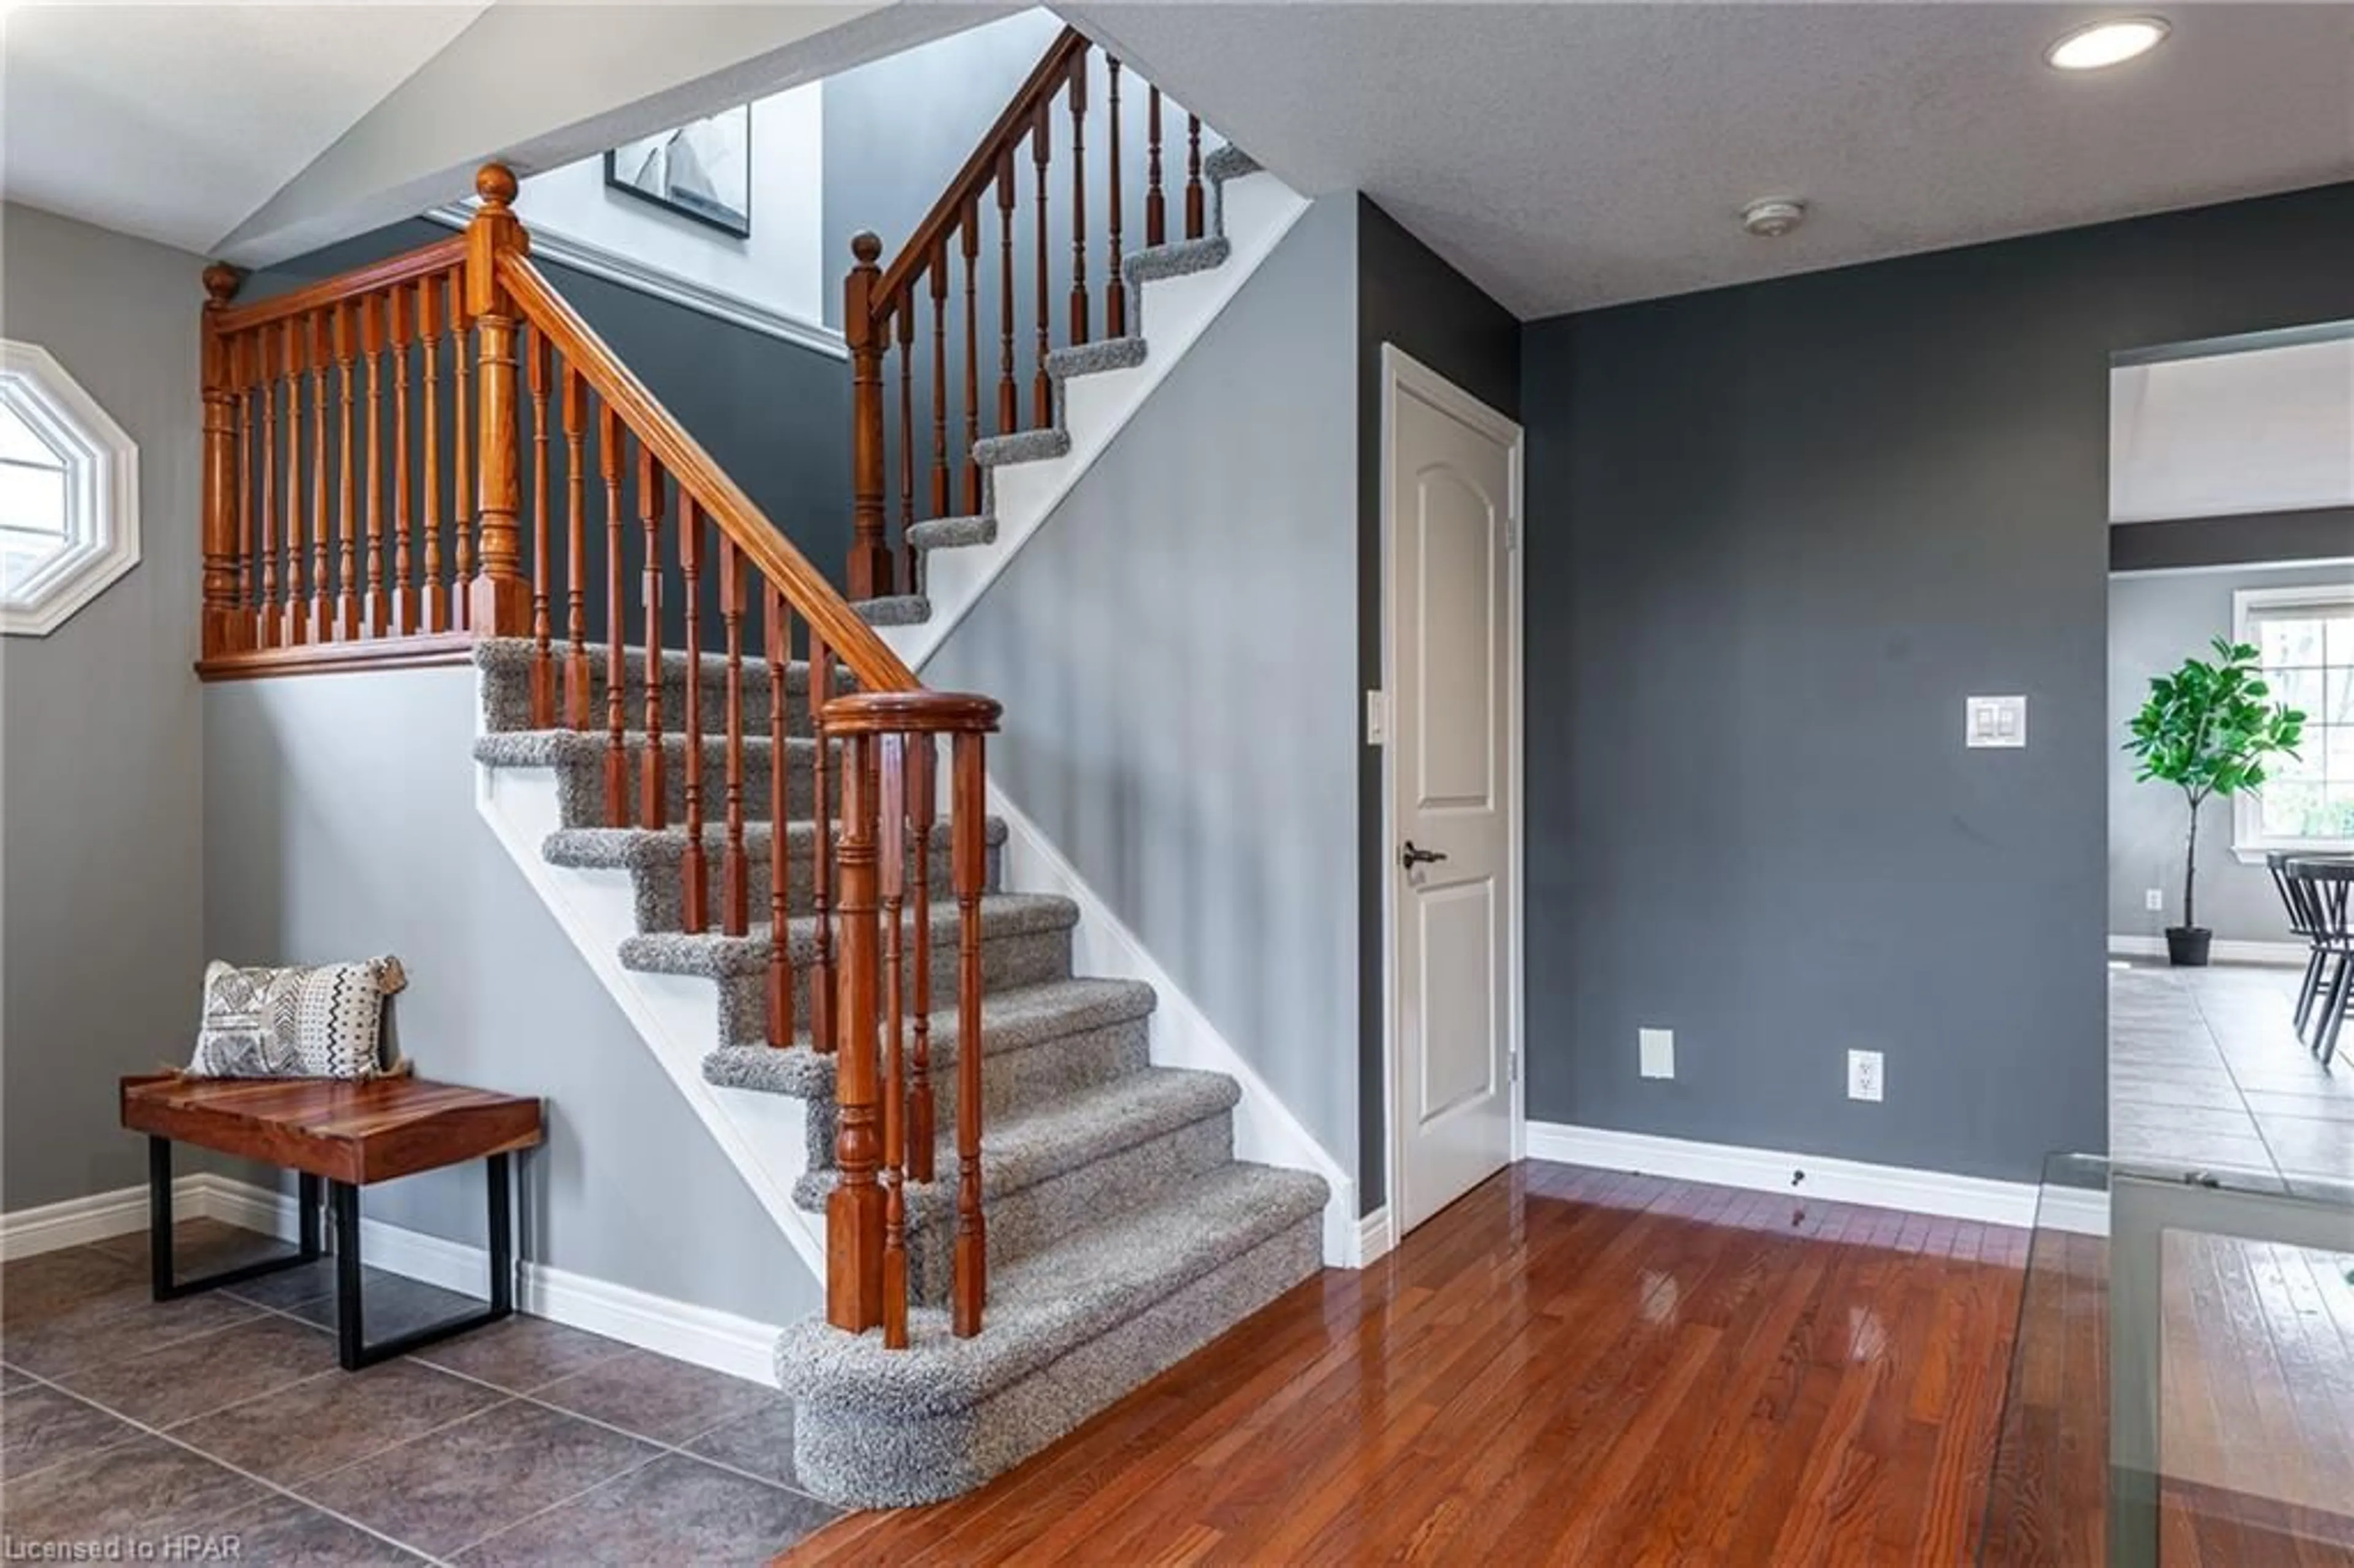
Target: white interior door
1453, 498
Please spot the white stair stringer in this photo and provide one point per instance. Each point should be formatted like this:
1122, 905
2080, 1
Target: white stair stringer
1256, 210
764, 1136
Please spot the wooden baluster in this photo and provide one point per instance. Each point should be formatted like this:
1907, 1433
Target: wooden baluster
297, 614
1079, 311
540, 365
461, 488
779, 631
435, 592
1156, 209
937, 269
1042, 390
407, 612
970, 854
1115, 285
869, 574
653, 773
904, 318
347, 577
377, 612
694, 871
920, 811
821, 977
1194, 177
970, 231
322, 611
891, 854
617, 667
221, 630
576, 554
1008, 399
853, 1215
267, 622
735, 871
249, 412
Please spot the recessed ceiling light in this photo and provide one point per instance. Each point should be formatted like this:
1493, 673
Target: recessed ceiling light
2107, 43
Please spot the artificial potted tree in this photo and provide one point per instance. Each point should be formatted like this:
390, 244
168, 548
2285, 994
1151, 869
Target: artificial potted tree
2206, 729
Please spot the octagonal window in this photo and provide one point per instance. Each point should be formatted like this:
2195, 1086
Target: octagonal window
69, 493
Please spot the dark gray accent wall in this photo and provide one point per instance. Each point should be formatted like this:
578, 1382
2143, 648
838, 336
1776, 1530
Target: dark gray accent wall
2326, 534
2157, 620
775, 415
102, 745
1405, 295
1776, 533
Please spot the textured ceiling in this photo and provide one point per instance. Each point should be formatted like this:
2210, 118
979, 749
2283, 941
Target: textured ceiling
1573, 155
174, 121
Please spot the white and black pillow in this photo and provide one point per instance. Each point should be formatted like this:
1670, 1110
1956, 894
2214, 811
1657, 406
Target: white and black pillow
319, 1020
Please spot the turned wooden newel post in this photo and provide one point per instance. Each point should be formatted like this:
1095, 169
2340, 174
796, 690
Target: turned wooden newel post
224, 629
870, 557
854, 1212
498, 599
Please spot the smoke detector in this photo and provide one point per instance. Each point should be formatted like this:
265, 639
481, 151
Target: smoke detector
1773, 218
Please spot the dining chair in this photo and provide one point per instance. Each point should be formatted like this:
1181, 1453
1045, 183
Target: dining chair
2300, 926
2327, 886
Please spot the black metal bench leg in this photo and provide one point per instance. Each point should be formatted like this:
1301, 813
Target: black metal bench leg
163, 1270
351, 1340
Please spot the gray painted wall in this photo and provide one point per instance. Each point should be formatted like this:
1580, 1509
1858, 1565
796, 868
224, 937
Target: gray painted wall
1176, 650
102, 940
2325, 534
339, 822
1775, 535
1406, 295
2155, 622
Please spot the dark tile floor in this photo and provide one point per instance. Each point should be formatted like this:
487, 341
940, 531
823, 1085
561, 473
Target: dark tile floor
224, 1415
2205, 1068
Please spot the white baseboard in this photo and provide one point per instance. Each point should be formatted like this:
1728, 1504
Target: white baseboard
77, 1221
1373, 1237
1183, 1035
2222, 951
1937, 1192
704, 1336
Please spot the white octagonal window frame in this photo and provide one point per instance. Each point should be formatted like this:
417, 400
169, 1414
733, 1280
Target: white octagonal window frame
102, 493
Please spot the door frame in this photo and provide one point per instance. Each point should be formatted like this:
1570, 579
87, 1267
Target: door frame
1402, 373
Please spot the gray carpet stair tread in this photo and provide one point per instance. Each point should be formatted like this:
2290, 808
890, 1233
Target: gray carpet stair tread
1011, 1020
1069, 1134
1094, 358
895, 610
574, 747
952, 532
636, 849
515, 655
1042, 1307
714, 956
1176, 260
1022, 446
1227, 163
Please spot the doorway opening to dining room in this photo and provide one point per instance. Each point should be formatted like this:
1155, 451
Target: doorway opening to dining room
2231, 649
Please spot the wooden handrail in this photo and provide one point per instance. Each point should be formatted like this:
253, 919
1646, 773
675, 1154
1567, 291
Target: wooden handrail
1051, 73
812, 597
425, 261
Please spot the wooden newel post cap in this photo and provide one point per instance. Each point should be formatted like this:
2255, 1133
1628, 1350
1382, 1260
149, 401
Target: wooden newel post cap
222, 281
866, 246
495, 183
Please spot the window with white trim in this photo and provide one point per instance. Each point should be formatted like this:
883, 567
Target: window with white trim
69, 493
2304, 638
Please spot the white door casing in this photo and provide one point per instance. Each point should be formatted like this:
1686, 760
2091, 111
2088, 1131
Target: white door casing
1451, 485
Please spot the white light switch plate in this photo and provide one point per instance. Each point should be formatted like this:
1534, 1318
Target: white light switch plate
1994, 722
1658, 1049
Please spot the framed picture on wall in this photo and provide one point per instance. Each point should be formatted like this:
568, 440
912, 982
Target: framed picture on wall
702, 170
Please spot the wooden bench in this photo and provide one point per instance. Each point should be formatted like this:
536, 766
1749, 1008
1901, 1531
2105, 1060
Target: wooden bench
345, 1135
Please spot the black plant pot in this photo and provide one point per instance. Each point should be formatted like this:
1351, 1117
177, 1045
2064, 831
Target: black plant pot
2186, 946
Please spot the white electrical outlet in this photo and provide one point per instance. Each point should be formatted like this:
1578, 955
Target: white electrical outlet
2154, 900
1863, 1080
1658, 1049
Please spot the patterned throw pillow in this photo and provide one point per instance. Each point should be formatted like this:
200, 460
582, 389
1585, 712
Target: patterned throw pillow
323, 1020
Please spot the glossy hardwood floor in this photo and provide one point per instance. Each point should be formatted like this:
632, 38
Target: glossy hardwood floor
1567, 1366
